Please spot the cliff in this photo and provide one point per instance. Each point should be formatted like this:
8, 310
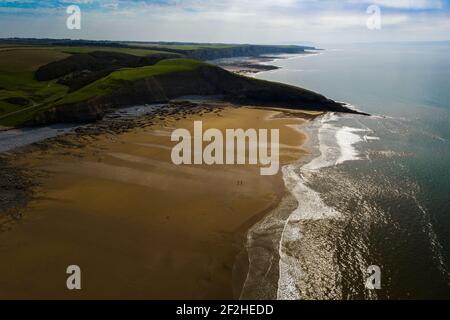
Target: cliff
243, 51
201, 79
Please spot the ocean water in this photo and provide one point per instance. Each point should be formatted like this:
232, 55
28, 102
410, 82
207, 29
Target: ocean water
374, 191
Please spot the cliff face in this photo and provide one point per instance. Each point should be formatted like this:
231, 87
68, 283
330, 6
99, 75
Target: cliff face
205, 80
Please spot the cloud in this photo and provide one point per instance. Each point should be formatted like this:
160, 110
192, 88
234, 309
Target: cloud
408, 4
111, 5
76, 1
263, 21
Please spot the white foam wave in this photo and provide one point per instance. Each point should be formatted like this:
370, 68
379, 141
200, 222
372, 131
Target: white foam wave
347, 139
352, 107
310, 207
336, 146
371, 138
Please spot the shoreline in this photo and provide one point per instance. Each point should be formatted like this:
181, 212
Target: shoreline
251, 66
129, 119
264, 238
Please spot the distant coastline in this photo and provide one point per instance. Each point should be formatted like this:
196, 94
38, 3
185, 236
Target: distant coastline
251, 66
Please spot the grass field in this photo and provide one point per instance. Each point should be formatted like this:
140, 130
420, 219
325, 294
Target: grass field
136, 52
21, 59
28, 59
23, 85
181, 46
6, 107
109, 83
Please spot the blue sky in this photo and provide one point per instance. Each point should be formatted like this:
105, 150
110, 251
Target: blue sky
236, 21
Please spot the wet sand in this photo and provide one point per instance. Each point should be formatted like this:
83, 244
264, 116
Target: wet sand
137, 225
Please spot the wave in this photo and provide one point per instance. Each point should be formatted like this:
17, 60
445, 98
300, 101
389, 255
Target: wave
337, 145
310, 207
276, 237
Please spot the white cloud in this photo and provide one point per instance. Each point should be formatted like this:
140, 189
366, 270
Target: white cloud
407, 4
263, 21
77, 1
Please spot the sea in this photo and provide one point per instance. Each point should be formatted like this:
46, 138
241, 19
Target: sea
374, 192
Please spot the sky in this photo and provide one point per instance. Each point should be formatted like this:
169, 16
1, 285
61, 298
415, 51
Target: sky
231, 21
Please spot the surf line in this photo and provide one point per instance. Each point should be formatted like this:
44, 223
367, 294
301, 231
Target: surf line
227, 149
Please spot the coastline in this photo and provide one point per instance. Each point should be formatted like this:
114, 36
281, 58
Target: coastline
75, 194
243, 280
251, 66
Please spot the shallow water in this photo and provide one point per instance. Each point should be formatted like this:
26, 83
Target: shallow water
17, 138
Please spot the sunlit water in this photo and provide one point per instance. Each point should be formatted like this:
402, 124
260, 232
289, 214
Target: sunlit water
375, 189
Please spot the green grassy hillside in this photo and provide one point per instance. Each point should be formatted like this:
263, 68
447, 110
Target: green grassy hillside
42, 95
18, 65
27, 59
114, 80
136, 52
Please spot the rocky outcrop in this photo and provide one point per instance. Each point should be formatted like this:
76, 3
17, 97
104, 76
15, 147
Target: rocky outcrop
205, 80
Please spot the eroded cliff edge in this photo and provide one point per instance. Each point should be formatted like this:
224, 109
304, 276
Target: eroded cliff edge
204, 80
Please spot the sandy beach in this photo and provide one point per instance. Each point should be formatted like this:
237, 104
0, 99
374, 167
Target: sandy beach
137, 225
